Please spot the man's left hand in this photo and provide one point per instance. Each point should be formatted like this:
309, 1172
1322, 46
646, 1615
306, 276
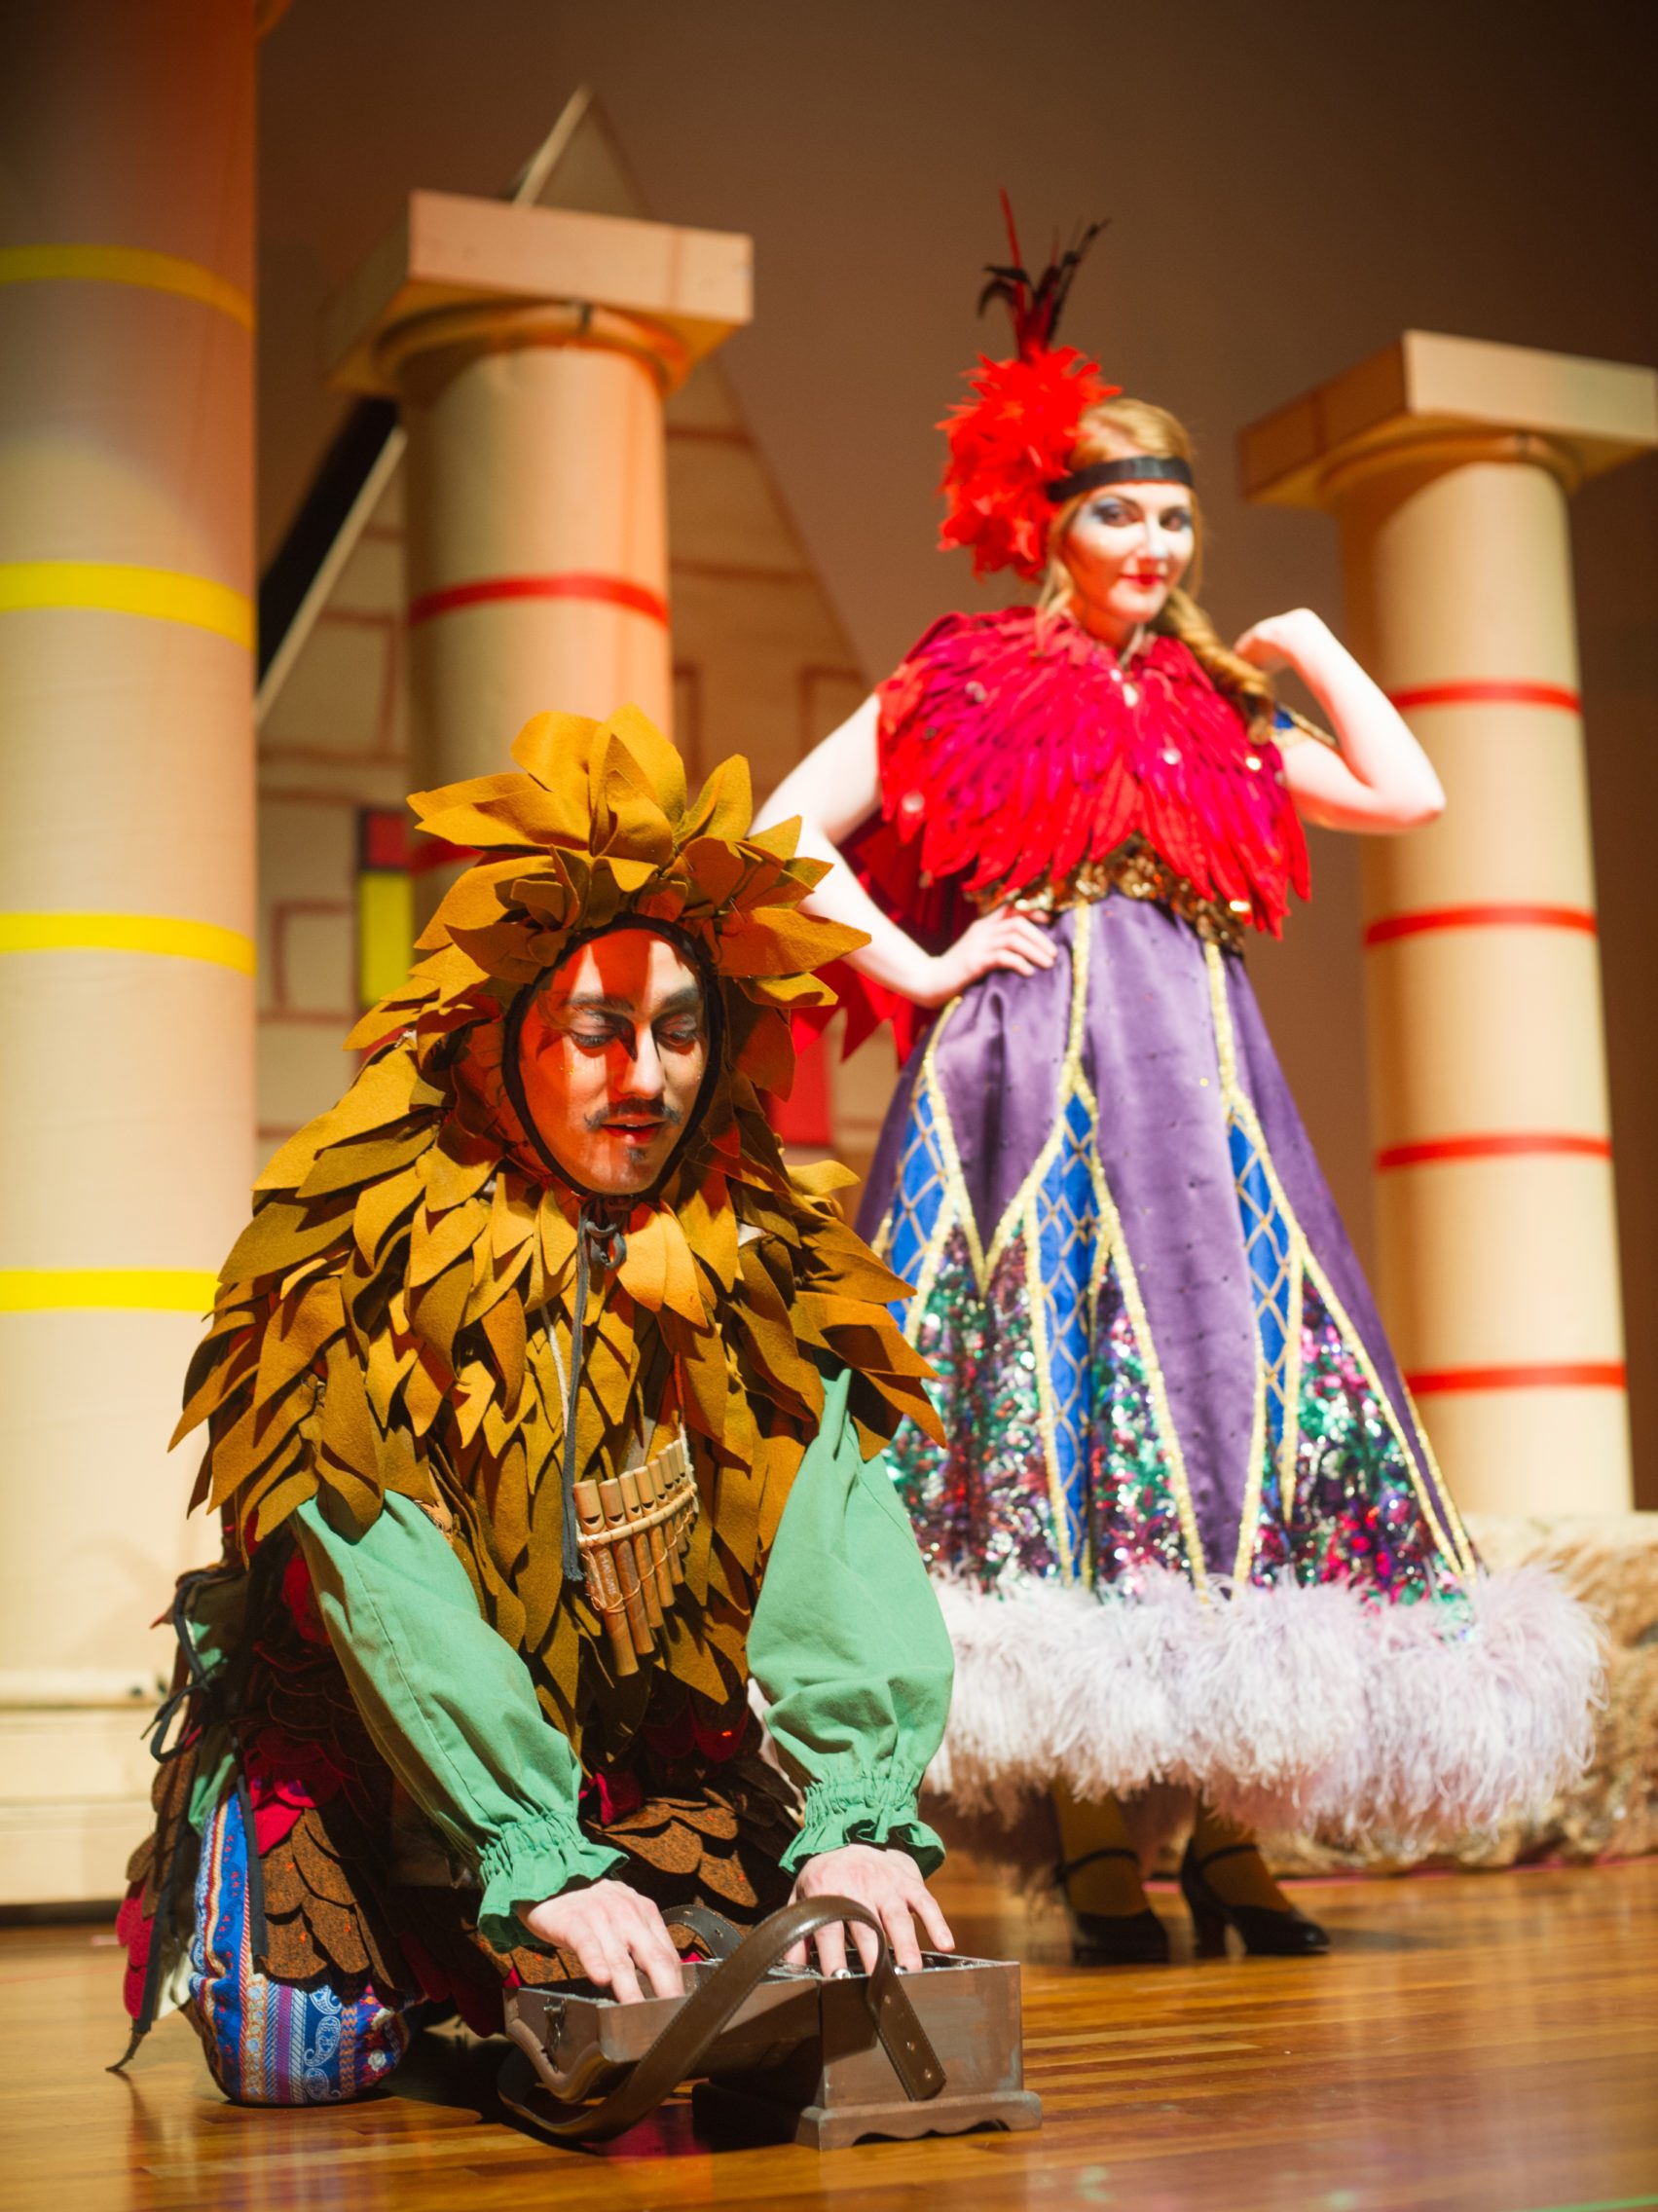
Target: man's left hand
890, 1883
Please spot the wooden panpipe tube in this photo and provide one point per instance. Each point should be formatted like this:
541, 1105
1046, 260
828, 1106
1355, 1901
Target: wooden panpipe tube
637, 1541
627, 1568
677, 1469
602, 1588
653, 1488
679, 1542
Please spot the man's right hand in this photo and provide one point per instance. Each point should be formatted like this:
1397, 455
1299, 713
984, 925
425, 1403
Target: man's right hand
617, 1936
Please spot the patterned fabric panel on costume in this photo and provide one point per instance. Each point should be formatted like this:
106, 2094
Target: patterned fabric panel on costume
979, 1504
1356, 1515
1068, 1479
1061, 1462
919, 1199
1136, 1506
270, 2043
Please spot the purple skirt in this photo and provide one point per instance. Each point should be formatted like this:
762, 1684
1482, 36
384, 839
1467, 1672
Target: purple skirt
1186, 1525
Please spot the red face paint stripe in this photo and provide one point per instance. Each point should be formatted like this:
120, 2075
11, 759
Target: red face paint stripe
1495, 917
1564, 1375
1491, 692
1503, 1144
614, 591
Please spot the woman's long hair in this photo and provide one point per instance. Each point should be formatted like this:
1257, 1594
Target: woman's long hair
1110, 432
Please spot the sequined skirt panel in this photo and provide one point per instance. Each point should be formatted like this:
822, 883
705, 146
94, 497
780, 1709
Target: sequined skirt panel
1155, 1345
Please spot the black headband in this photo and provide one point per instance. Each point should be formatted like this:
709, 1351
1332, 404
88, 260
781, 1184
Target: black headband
1137, 468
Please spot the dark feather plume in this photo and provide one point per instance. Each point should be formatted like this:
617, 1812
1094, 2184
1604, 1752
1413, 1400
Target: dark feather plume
1035, 303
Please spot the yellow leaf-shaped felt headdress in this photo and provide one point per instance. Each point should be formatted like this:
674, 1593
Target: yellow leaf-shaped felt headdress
597, 830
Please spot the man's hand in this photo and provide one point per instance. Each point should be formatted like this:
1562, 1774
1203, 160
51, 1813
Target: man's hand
616, 1935
890, 1883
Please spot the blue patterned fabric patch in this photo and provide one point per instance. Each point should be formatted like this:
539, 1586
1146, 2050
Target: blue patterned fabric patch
1267, 1248
1067, 1232
269, 2042
918, 1197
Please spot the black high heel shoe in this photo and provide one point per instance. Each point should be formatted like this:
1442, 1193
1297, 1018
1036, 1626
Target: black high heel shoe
1112, 1938
1266, 1932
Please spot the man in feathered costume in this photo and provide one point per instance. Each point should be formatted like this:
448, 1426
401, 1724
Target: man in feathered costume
543, 1408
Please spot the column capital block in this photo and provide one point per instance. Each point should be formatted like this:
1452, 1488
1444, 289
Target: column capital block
447, 254
1428, 390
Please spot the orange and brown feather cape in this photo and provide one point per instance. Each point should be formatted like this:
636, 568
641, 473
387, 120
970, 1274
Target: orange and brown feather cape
383, 1323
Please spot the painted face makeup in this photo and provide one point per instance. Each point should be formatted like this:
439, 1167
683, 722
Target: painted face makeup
1126, 547
612, 1055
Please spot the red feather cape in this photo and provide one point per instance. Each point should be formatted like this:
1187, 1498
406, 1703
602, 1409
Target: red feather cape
1015, 749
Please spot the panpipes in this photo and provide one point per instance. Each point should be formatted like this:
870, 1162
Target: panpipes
633, 1530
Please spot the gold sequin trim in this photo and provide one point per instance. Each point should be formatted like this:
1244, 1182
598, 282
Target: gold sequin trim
1135, 871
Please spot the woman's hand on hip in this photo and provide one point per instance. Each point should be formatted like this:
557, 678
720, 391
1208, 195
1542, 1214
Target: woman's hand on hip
1002, 939
890, 1883
616, 1933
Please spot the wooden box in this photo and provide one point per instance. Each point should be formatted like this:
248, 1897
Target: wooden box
801, 2059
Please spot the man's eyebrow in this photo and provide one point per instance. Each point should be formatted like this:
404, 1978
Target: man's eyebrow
687, 1001
594, 1001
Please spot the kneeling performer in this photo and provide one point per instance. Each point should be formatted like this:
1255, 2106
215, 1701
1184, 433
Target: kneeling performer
543, 1405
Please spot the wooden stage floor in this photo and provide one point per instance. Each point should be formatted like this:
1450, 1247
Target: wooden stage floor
1487, 2040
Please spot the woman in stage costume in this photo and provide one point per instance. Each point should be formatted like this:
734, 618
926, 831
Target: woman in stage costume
1189, 1533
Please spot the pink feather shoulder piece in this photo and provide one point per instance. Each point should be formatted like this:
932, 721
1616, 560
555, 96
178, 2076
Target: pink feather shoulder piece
1016, 751
1020, 760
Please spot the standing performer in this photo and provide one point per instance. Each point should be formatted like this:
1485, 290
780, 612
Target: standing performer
543, 1404
1187, 1528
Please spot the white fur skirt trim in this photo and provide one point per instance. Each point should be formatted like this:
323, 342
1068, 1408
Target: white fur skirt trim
1289, 1708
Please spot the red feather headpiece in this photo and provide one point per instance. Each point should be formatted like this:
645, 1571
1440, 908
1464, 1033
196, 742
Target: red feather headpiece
1015, 435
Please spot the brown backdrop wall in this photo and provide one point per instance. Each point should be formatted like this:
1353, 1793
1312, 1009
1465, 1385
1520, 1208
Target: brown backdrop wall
1289, 185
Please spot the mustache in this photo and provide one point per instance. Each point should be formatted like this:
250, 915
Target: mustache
670, 1117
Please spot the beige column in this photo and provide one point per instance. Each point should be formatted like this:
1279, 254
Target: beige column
126, 864
531, 349
1449, 464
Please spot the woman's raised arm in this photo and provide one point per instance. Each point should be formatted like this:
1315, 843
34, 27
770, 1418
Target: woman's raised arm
1382, 779
833, 793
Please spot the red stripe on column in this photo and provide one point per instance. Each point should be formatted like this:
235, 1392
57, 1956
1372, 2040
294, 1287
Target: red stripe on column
614, 591
1497, 917
1488, 692
437, 852
1565, 1375
1502, 1144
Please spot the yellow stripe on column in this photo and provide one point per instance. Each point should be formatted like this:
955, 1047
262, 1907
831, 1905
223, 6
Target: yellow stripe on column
162, 934
126, 265
150, 1290
118, 587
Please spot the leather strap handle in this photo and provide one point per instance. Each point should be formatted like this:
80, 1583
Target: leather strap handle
686, 2039
717, 1935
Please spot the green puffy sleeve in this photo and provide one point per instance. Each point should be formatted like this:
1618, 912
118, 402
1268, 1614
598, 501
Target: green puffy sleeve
850, 1649
452, 1710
